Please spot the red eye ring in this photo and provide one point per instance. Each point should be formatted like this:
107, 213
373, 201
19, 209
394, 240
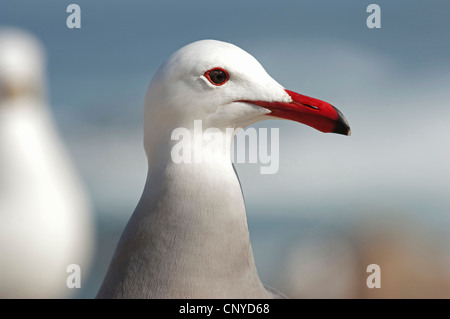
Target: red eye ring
217, 76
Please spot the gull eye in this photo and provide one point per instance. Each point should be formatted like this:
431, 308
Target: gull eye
217, 76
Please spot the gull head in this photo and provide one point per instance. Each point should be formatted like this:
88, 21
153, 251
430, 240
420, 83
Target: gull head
22, 64
226, 87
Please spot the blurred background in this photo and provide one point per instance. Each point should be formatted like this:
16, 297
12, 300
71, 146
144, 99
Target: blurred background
337, 204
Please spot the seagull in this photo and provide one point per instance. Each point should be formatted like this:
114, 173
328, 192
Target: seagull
188, 236
45, 216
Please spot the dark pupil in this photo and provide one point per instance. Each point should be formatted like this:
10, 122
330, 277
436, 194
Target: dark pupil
217, 76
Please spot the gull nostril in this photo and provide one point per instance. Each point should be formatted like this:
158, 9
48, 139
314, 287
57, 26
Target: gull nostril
310, 106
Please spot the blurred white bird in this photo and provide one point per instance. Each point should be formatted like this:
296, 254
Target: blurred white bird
188, 237
45, 217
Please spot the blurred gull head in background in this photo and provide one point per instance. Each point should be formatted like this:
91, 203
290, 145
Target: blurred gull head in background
22, 62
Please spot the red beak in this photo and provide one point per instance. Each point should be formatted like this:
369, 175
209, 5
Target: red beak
310, 111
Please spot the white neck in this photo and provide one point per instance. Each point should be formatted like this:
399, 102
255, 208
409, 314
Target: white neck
188, 236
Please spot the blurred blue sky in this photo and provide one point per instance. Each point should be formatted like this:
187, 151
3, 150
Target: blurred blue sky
120, 43
391, 83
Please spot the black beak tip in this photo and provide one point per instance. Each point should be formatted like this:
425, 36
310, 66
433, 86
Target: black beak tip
342, 126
